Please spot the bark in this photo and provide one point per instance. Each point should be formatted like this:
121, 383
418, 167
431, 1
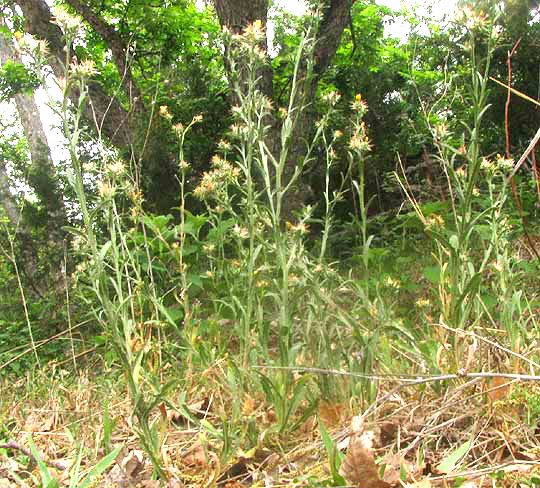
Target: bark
103, 110
236, 15
41, 173
7, 201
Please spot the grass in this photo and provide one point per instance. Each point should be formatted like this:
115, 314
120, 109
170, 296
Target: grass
229, 353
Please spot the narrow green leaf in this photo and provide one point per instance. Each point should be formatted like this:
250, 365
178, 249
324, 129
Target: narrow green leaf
449, 462
101, 466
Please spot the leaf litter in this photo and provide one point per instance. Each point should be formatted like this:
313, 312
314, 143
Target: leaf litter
467, 433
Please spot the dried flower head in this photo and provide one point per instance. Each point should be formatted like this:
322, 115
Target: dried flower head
300, 227
105, 189
84, 68
241, 232
254, 31
471, 18
331, 97
504, 163
115, 167
178, 129
359, 143
183, 165
486, 164
164, 112
65, 20
43, 47
359, 105
224, 145
434, 221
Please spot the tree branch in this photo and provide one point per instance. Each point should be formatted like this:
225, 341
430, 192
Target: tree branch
335, 18
114, 41
106, 111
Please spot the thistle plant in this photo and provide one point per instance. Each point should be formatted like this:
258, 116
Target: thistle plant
273, 282
459, 276
128, 306
358, 147
252, 188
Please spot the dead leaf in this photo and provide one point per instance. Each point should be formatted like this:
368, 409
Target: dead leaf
358, 466
174, 484
133, 463
196, 455
163, 410
499, 388
420, 484
149, 484
249, 405
269, 417
310, 425
200, 409
32, 423
216, 468
331, 414
395, 463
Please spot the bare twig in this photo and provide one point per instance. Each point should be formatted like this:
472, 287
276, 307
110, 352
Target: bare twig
27, 452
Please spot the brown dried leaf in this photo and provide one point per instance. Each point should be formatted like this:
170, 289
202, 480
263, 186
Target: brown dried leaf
149, 484
358, 466
394, 464
163, 410
32, 423
420, 484
331, 414
133, 463
249, 405
499, 388
196, 455
174, 416
200, 409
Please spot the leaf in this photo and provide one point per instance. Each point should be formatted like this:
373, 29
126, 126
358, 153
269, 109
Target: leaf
432, 273
335, 457
249, 405
47, 479
420, 484
359, 468
196, 456
396, 468
133, 463
331, 414
499, 388
449, 462
101, 466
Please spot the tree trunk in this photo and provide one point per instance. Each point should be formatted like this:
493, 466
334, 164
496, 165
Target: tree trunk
41, 173
7, 201
103, 110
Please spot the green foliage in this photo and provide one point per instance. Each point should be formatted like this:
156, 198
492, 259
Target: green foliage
232, 303
16, 78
